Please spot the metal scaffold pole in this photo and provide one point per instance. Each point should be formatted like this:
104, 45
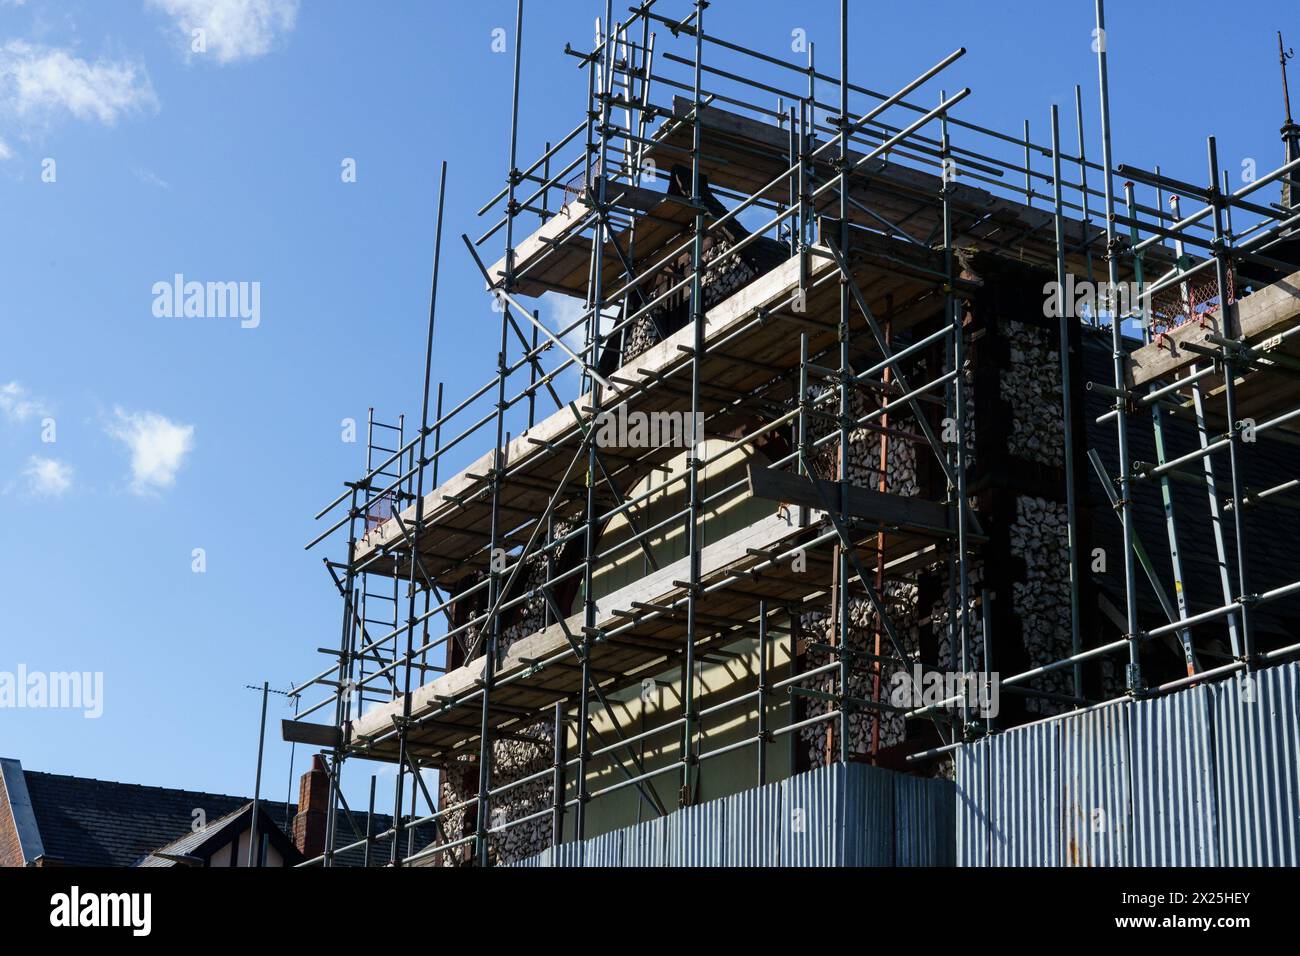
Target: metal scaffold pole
1158, 431
1236, 452
492, 646
342, 696
421, 462
957, 486
1125, 506
841, 627
695, 528
1067, 407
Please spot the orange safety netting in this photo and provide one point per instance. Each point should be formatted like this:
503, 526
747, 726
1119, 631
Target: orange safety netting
1193, 301
378, 511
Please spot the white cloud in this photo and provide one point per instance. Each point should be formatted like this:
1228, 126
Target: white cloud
19, 405
47, 477
158, 447
39, 84
150, 178
563, 311
232, 29
5, 151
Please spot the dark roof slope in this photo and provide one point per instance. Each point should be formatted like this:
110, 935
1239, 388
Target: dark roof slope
203, 843
85, 822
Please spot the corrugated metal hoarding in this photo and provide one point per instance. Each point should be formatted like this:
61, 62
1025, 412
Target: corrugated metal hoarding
1256, 728
1174, 809
645, 844
750, 836
1095, 794
1204, 777
852, 815
923, 822
695, 835
1023, 804
811, 822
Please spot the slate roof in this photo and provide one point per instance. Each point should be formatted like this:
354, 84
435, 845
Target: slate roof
101, 823
219, 833
86, 822
188, 844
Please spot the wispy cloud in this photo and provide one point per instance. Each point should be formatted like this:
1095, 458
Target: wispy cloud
19, 405
561, 311
47, 477
150, 178
40, 85
232, 30
158, 447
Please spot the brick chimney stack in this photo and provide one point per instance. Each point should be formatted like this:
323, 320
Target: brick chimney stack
313, 805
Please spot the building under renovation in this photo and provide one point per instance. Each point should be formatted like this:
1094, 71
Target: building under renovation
904, 491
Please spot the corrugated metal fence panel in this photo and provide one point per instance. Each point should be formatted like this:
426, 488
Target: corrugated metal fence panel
832, 816
695, 835
1023, 781
646, 844
604, 850
812, 819
868, 816
971, 764
1096, 799
751, 822
1257, 735
924, 822
568, 854
1172, 763
534, 861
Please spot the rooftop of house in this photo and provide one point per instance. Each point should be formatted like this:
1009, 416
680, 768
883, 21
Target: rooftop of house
81, 821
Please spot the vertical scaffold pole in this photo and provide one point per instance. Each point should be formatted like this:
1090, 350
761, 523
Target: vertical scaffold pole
558, 741
1158, 431
492, 646
694, 531
1207, 460
845, 373
1125, 505
1222, 257
1067, 408
1084, 194
342, 697
762, 691
958, 490
602, 90
594, 91
370, 824
403, 756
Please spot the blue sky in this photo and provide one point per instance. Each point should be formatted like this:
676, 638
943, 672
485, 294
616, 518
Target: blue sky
173, 434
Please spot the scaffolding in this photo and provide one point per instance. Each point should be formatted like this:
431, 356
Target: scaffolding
797, 284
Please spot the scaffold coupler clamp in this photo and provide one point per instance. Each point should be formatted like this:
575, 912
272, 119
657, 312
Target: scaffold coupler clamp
1133, 676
